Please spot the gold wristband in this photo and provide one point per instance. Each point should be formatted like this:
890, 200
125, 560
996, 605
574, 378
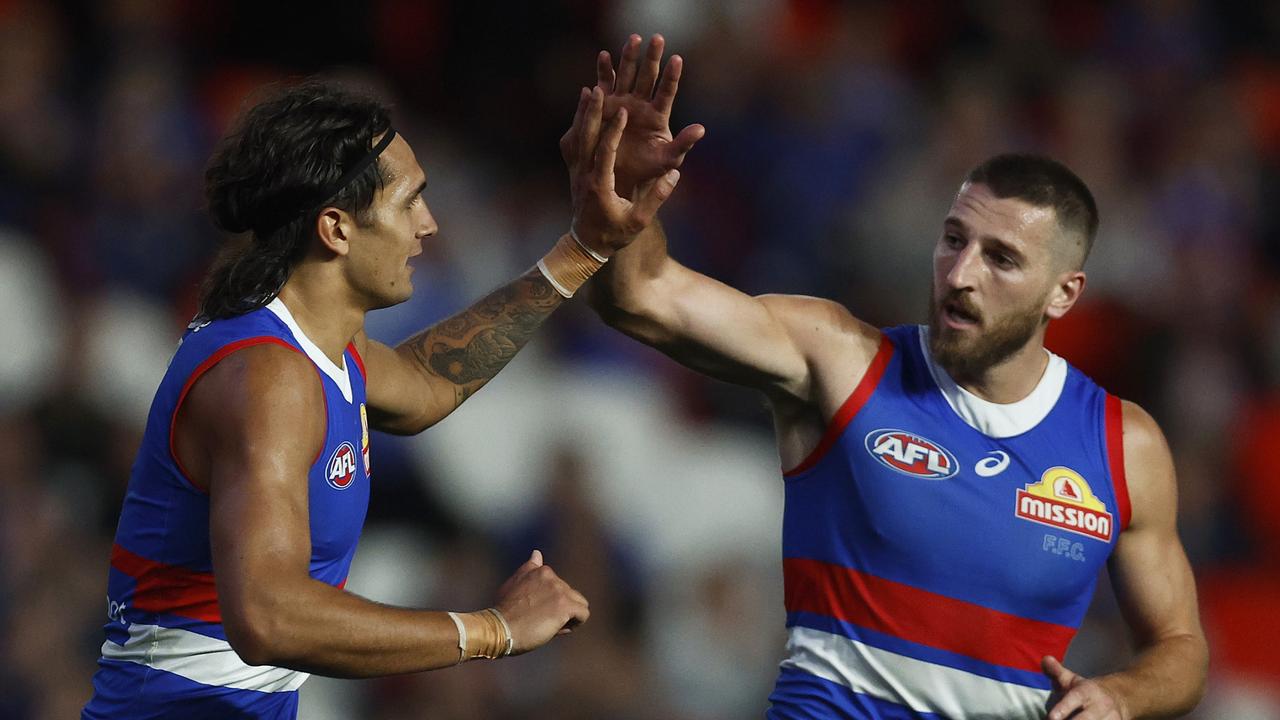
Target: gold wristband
570, 264
482, 634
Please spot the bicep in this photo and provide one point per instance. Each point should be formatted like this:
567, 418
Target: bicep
401, 397
769, 342
262, 414
1149, 569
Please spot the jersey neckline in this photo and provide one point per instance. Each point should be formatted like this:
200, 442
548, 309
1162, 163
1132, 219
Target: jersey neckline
338, 375
998, 420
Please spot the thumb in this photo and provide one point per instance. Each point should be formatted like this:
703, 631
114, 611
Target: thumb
534, 562
646, 207
1061, 676
682, 143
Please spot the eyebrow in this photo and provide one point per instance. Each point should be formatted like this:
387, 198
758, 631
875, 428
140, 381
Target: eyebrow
418, 191
1002, 245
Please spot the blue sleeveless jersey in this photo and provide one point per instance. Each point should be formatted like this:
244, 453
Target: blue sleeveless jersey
166, 654
936, 547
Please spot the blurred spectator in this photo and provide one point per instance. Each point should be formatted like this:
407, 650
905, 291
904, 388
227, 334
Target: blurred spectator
836, 135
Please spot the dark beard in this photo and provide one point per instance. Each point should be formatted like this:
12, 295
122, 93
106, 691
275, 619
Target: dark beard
969, 361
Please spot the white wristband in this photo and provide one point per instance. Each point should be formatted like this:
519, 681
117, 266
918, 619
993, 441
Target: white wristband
594, 255
462, 637
510, 641
564, 292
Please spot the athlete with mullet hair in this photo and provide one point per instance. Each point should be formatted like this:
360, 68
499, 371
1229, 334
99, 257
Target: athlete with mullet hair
952, 489
250, 489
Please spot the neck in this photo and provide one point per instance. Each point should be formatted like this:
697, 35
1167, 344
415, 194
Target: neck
1011, 379
331, 319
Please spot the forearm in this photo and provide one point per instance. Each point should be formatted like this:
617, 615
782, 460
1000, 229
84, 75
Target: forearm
465, 351
1165, 680
630, 277
317, 628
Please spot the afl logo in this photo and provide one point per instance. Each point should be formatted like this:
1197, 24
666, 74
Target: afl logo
341, 469
911, 454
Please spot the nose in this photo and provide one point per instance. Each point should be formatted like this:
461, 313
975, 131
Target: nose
426, 224
964, 268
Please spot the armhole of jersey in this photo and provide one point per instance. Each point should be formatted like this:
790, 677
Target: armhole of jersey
218, 356
355, 355
324, 396
1115, 458
858, 398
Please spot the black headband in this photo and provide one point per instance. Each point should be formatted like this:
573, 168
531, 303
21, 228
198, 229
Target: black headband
355, 170
351, 174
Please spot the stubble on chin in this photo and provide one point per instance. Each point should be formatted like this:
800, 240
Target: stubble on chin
968, 356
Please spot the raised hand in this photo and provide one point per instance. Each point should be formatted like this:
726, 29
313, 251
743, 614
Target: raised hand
538, 605
602, 219
647, 149
1080, 698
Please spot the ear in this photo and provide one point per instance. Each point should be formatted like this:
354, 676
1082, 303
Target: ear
1065, 293
333, 227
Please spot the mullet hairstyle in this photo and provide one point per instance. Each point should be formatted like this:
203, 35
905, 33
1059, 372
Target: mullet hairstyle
1046, 183
267, 182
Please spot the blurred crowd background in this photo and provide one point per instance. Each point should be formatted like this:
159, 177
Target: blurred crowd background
837, 134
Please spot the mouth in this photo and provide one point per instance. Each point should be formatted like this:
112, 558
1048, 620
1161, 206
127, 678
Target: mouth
958, 317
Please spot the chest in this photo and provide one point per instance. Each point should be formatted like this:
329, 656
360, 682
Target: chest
913, 495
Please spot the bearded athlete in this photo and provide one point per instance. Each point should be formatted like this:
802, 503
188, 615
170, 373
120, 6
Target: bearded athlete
249, 492
952, 489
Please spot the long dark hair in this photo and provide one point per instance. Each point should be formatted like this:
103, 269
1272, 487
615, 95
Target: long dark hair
267, 178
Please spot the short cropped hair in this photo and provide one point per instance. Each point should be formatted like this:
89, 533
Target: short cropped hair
1045, 183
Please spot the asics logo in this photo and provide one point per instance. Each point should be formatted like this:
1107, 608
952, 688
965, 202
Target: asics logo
994, 464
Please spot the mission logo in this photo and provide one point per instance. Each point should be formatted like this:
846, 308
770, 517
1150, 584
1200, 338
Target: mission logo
911, 454
341, 469
1062, 499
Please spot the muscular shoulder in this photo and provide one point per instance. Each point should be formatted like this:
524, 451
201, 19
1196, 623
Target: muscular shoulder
1148, 468
837, 347
258, 396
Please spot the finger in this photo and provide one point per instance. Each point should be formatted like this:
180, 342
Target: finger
604, 71
644, 209
1057, 671
647, 74
590, 135
666, 95
683, 143
627, 66
607, 152
1067, 706
535, 557
568, 143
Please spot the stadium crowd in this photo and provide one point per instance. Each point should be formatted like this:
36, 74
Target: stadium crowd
837, 133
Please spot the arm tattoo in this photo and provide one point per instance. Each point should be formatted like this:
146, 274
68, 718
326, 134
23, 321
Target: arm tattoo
469, 348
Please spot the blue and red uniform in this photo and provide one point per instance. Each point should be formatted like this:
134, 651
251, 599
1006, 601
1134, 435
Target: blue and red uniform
936, 546
166, 653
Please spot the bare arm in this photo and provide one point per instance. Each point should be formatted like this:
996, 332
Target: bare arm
260, 417
429, 375
1157, 595
777, 343
794, 348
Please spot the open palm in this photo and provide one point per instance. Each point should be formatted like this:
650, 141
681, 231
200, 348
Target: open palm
647, 149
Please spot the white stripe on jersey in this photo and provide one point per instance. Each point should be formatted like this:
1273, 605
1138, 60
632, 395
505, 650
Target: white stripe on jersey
919, 685
200, 658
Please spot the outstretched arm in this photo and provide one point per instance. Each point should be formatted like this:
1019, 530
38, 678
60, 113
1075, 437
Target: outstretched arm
1157, 595
424, 378
429, 375
794, 347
